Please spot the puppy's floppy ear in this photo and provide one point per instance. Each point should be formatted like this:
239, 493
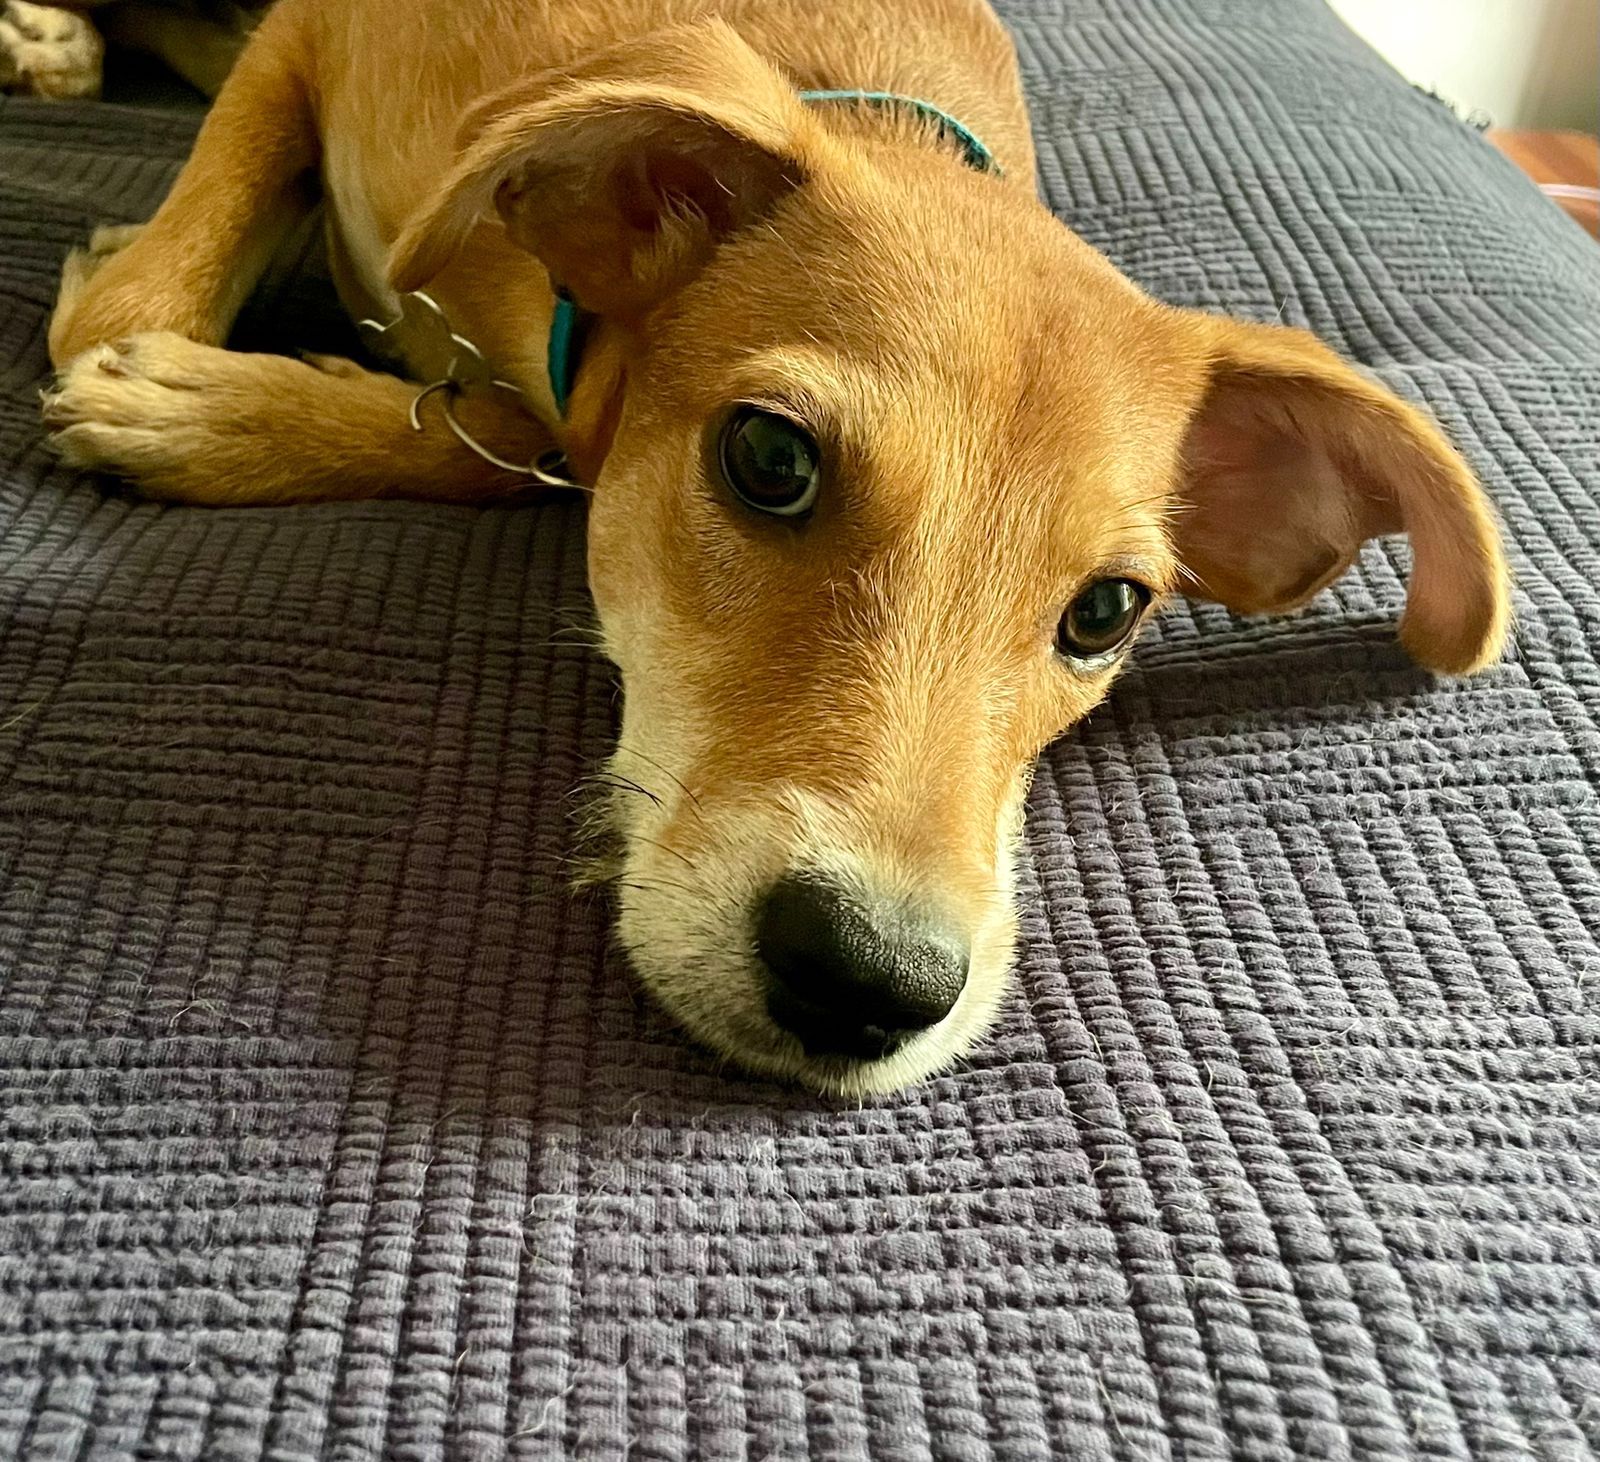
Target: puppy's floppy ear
622, 176
1293, 460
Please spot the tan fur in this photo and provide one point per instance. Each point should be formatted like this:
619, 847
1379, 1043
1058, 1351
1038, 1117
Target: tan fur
1005, 419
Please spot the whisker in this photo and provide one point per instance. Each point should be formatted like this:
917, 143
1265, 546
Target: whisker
575, 634
656, 843
825, 294
672, 777
652, 885
612, 782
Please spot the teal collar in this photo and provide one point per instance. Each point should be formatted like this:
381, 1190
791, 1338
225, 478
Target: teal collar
974, 152
565, 345
568, 324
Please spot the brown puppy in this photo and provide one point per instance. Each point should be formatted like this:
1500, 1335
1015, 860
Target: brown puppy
887, 466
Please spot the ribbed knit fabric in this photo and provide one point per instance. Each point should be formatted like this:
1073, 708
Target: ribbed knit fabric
332, 1127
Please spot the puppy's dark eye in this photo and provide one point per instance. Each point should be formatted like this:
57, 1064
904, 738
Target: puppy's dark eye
770, 463
1101, 619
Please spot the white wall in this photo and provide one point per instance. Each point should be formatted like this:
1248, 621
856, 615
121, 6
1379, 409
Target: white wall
1525, 63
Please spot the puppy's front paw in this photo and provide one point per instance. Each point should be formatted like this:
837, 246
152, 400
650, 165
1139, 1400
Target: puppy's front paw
195, 423
83, 264
45, 51
154, 408
106, 241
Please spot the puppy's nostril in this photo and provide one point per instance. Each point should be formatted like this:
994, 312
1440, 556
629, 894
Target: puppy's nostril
848, 983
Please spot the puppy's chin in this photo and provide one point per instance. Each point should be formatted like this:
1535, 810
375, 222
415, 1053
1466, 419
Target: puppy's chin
717, 994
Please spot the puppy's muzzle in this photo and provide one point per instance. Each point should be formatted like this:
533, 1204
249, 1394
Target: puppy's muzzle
848, 981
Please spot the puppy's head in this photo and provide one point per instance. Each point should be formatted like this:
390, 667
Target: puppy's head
889, 469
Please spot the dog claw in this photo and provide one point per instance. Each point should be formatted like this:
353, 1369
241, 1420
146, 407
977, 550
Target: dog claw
112, 359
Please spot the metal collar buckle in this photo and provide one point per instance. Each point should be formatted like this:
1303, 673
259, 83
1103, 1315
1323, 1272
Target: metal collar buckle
422, 318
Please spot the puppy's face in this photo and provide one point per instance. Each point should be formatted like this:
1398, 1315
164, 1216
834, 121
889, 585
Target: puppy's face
875, 526
889, 470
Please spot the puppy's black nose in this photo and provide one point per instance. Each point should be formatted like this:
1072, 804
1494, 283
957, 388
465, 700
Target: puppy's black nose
845, 983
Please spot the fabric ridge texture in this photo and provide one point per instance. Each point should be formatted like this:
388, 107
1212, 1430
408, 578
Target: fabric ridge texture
333, 1125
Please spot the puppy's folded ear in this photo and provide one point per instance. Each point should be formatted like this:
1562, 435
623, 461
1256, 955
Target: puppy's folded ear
1293, 460
623, 176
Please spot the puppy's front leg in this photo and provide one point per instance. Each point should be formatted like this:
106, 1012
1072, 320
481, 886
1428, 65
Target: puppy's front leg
48, 51
198, 424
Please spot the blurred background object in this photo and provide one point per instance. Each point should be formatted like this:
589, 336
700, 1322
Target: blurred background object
1517, 63
1566, 165
1527, 70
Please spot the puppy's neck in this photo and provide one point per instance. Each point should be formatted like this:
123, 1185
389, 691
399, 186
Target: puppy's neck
594, 406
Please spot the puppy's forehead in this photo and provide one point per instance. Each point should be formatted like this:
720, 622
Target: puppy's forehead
968, 294
973, 359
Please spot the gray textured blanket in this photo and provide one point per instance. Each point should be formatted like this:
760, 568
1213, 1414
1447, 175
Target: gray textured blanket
333, 1128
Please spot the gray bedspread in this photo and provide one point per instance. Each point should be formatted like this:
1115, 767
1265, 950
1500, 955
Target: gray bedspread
333, 1127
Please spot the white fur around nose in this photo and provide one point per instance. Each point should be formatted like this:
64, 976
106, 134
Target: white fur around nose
687, 922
